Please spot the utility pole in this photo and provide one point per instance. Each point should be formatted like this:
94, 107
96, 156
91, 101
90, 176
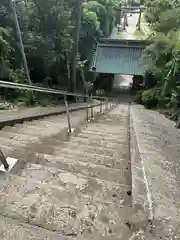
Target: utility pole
78, 15
21, 46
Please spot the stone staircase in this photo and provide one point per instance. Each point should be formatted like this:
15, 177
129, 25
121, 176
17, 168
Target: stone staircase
68, 188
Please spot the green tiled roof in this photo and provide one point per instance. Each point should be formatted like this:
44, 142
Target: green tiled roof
119, 57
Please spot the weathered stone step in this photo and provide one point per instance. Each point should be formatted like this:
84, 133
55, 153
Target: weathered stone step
76, 166
120, 163
37, 131
11, 142
18, 136
32, 130
53, 119
43, 127
82, 191
31, 125
17, 139
109, 118
110, 122
104, 134
95, 149
85, 168
102, 139
90, 132
58, 210
34, 136
11, 229
82, 154
6, 150
101, 191
98, 142
101, 126
48, 123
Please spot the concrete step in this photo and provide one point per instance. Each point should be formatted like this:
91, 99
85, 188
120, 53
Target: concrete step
119, 161
50, 124
110, 117
18, 136
56, 209
39, 130
80, 138
116, 160
94, 142
33, 135
13, 229
91, 131
11, 142
76, 165
118, 153
104, 134
44, 132
88, 169
92, 149
19, 128
34, 131
101, 125
102, 191
81, 188
104, 138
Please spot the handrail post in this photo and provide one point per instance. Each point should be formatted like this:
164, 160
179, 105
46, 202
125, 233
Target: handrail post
101, 107
106, 104
3, 160
87, 113
92, 112
67, 114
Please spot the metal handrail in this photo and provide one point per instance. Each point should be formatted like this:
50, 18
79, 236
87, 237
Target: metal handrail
55, 91
27, 87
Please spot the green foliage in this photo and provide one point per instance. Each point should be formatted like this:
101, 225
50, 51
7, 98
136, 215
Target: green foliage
98, 9
100, 92
4, 54
154, 10
163, 102
5, 106
105, 11
160, 49
163, 50
139, 96
168, 21
175, 99
90, 31
149, 98
151, 78
48, 31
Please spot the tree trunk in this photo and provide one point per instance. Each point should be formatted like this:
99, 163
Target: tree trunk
139, 21
78, 15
